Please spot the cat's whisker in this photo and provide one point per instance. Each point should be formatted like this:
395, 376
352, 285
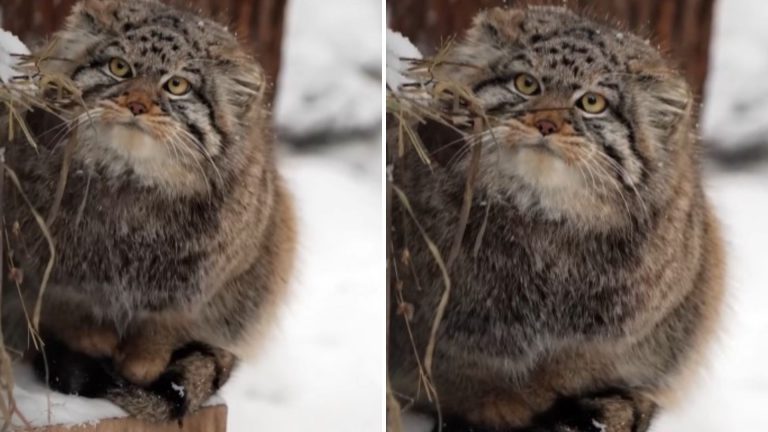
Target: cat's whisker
182, 150
471, 141
610, 179
201, 147
622, 171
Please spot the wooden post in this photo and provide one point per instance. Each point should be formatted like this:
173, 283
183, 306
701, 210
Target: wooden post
258, 23
681, 27
208, 419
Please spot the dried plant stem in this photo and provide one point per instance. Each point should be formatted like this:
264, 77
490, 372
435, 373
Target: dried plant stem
61, 186
435, 251
466, 206
6, 379
394, 419
49, 239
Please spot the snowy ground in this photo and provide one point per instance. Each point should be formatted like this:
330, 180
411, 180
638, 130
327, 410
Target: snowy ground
323, 369
733, 393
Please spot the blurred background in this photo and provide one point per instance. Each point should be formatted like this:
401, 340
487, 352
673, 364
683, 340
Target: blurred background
322, 369
722, 46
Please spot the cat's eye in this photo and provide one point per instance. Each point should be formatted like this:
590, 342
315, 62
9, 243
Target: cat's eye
527, 85
120, 68
177, 86
592, 103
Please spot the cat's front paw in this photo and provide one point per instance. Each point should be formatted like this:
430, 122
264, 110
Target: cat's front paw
142, 364
610, 411
144, 354
95, 342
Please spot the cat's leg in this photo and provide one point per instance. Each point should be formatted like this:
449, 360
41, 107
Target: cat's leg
79, 330
608, 411
612, 410
145, 351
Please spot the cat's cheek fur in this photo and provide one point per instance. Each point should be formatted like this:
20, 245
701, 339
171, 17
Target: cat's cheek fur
122, 150
544, 183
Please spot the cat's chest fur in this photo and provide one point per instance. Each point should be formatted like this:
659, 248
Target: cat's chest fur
127, 249
528, 284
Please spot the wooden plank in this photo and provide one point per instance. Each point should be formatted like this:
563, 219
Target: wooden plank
208, 419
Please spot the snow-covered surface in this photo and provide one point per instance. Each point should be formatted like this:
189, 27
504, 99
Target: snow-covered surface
732, 395
9, 45
331, 76
399, 48
323, 370
40, 406
736, 110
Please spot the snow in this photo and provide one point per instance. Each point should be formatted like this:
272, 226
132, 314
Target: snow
178, 389
398, 49
736, 106
324, 367
9, 45
40, 406
600, 426
733, 392
331, 76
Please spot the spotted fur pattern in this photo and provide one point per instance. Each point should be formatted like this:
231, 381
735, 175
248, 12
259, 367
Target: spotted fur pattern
591, 264
174, 225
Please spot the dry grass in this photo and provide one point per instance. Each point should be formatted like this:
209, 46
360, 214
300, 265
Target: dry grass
431, 97
30, 90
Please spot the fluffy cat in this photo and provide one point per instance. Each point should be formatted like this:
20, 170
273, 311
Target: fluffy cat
175, 236
590, 277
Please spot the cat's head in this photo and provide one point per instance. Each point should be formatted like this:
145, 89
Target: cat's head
588, 121
172, 99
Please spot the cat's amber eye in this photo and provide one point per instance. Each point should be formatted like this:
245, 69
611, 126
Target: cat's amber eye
527, 85
120, 68
592, 103
177, 86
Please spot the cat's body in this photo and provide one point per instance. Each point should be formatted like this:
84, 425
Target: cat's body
590, 276
174, 230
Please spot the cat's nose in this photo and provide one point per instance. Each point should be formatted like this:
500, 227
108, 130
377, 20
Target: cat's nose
137, 108
546, 127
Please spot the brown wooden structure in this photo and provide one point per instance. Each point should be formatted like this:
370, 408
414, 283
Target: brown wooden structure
681, 27
258, 23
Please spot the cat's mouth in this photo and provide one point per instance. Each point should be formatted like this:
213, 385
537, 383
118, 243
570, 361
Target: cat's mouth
538, 145
132, 124
541, 145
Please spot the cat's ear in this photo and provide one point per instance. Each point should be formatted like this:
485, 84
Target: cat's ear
85, 26
94, 16
243, 84
497, 27
670, 96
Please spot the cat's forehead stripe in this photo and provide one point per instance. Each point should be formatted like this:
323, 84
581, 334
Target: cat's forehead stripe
156, 44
